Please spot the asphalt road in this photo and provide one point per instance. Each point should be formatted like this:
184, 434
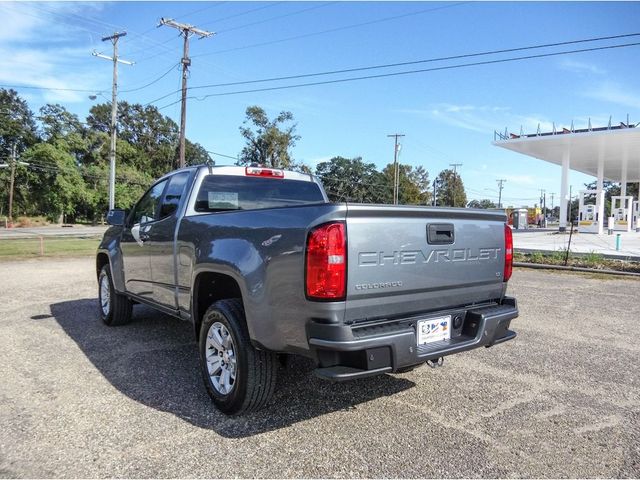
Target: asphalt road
52, 231
79, 399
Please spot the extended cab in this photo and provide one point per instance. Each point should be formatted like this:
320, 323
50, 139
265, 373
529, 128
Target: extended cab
262, 264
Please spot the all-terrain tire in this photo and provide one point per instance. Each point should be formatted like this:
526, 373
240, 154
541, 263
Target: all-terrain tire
119, 307
255, 370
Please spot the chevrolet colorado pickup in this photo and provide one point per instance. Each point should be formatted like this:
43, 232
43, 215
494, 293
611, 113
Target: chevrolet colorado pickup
262, 264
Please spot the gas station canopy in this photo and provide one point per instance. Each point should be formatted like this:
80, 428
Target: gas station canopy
615, 145
611, 153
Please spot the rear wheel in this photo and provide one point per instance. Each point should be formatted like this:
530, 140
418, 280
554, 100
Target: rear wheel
115, 308
239, 378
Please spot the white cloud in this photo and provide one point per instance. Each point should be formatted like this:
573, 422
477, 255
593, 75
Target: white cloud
581, 67
521, 179
615, 93
483, 118
48, 45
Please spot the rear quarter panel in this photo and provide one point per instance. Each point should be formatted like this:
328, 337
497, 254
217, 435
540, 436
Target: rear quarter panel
264, 251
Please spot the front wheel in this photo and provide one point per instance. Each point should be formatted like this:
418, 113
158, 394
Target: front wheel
115, 308
239, 378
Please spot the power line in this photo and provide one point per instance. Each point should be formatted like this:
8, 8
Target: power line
193, 12
246, 12
101, 23
406, 72
413, 62
331, 30
152, 82
277, 17
222, 155
158, 44
80, 170
61, 89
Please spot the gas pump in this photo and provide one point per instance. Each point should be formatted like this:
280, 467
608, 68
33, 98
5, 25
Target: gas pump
621, 213
588, 220
635, 213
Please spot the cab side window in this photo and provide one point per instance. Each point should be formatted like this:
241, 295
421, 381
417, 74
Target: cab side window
147, 208
173, 195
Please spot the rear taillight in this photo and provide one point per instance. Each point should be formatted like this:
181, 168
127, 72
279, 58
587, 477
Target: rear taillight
326, 269
264, 172
508, 252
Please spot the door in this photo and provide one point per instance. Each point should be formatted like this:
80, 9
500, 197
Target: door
160, 244
135, 251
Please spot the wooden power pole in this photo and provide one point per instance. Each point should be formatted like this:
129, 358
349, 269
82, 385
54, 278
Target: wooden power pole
12, 181
501, 183
114, 111
186, 31
396, 173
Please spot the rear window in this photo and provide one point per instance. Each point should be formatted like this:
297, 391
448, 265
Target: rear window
228, 192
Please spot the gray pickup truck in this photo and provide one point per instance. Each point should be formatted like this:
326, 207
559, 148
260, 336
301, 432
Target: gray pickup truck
262, 265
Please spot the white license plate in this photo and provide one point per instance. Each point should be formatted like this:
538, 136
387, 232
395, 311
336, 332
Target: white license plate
434, 330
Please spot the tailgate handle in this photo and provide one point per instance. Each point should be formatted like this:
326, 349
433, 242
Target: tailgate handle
440, 233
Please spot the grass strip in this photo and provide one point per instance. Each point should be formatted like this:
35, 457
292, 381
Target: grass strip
52, 246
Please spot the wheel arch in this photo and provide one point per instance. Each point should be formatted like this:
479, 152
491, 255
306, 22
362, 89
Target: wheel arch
208, 288
114, 260
102, 259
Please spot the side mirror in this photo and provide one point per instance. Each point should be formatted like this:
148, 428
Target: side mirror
116, 217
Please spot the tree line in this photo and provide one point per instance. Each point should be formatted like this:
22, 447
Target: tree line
62, 163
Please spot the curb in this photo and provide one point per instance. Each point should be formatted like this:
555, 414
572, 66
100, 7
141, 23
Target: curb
544, 266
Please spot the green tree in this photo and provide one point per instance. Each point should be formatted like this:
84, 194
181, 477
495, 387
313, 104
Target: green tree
450, 189
413, 184
268, 141
57, 122
17, 124
153, 135
57, 186
484, 203
17, 127
352, 180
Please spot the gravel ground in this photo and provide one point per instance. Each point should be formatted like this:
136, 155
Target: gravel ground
79, 399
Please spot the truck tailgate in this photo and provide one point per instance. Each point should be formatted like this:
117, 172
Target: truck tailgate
395, 266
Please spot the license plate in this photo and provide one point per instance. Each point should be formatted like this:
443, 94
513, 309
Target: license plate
434, 330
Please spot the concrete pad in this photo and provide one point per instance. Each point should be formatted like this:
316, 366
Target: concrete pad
534, 240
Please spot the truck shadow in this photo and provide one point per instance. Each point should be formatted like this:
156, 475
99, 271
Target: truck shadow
154, 361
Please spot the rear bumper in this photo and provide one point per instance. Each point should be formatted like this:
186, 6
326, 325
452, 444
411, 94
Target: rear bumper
350, 352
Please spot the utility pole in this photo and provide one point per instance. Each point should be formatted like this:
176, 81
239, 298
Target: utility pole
11, 182
186, 31
396, 173
435, 183
569, 209
455, 165
114, 111
552, 196
501, 183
